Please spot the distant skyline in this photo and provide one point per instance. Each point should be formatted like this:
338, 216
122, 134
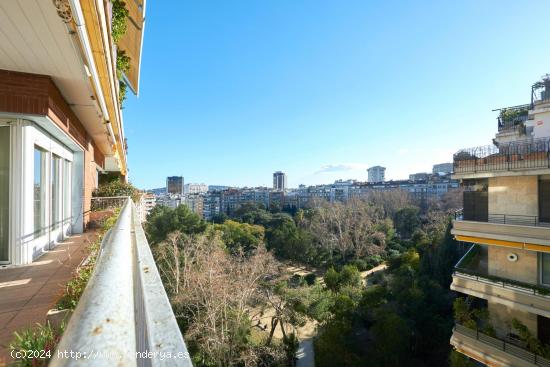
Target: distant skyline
234, 91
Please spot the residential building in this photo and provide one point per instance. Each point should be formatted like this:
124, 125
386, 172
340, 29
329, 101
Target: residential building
158, 192
506, 221
147, 202
195, 188
218, 187
279, 181
376, 174
421, 176
211, 205
174, 185
444, 168
61, 121
195, 202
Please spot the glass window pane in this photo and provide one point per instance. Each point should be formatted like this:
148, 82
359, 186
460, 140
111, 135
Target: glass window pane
56, 199
546, 268
39, 191
67, 191
4, 192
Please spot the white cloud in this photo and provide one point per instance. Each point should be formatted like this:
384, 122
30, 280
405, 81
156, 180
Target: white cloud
341, 167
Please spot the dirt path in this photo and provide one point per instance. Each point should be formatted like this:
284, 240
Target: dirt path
376, 269
305, 355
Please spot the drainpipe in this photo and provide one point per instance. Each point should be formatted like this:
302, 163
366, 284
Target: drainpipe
82, 35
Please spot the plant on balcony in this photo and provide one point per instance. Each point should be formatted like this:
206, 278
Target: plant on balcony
119, 23
475, 319
533, 344
119, 27
121, 91
75, 287
116, 188
40, 338
511, 114
122, 63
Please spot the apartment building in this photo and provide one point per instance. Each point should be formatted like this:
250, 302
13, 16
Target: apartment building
147, 202
61, 121
279, 181
195, 188
506, 220
211, 205
376, 174
195, 202
174, 185
444, 168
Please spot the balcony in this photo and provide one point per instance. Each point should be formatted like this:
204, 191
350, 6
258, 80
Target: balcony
516, 231
524, 157
492, 351
513, 118
471, 276
124, 316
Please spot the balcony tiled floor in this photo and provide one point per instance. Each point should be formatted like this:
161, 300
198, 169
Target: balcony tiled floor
28, 292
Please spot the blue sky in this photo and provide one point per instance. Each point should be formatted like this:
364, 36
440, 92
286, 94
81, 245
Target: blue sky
232, 91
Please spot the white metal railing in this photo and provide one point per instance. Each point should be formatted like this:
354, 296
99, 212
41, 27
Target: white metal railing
124, 317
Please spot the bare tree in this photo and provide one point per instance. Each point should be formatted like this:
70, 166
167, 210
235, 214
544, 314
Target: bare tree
348, 228
214, 293
390, 201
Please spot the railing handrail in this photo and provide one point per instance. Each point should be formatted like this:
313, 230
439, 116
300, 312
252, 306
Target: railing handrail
501, 282
503, 345
509, 219
515, 155
124, 316
493, 149
109, 197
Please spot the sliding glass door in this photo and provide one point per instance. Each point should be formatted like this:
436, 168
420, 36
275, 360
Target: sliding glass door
40, 185
4, 193
67, 193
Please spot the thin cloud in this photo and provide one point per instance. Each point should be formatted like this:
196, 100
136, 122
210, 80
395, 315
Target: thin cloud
341, 167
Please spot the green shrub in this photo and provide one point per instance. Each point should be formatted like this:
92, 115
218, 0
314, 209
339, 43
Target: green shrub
362, 264
122, 63
41, 338
117, 188
75, 286
122, 91
119, 22
310, 278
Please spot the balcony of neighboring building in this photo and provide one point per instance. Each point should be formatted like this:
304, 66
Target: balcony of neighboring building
514, 158
506, 211
517, 279
493, 351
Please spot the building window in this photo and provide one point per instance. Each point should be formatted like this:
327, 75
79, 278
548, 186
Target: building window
545, 268
67, 191
39, 191
56, 198
4, 192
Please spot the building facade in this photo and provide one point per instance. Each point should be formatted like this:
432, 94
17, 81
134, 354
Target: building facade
279, 181
195, 202
506, 224
444, 168
376, 174
174, 185
195, 188
61, 120
147, 202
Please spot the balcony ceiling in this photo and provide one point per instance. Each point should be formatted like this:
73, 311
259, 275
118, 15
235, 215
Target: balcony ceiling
34, 39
